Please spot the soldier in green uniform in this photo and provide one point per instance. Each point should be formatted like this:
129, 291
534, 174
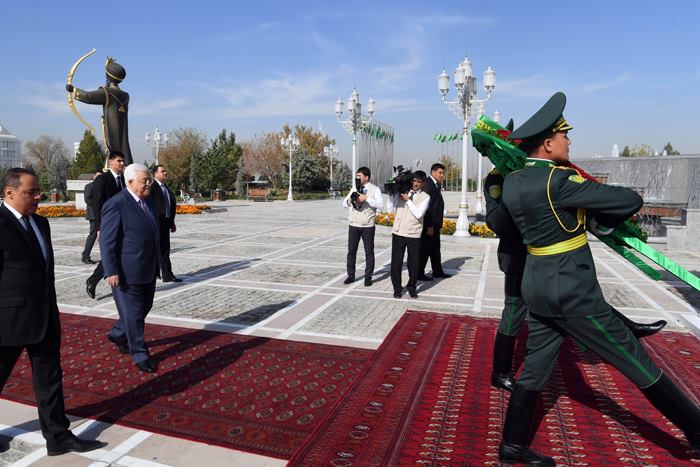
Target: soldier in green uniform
511, 260
551, 207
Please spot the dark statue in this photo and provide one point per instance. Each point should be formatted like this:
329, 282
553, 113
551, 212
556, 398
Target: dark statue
115, 108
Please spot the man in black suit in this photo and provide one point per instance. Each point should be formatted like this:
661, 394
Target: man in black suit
29, 317
165, 208
90, 216
104, 187
430, 238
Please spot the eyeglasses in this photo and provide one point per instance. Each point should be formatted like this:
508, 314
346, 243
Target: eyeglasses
146, 182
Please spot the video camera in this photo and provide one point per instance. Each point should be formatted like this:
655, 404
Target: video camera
400, 182
356, 194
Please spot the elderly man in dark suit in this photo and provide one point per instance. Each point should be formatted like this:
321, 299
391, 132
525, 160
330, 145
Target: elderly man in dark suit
104, 187
164, 200
90, 216
430, 237
129, 248
29, 317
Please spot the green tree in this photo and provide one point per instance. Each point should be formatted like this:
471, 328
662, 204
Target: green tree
217, 167
626, 152
670, 151
90, 157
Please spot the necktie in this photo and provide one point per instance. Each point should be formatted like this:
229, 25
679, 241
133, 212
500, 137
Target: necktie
411, 195
32, 236
147, 212
120, 182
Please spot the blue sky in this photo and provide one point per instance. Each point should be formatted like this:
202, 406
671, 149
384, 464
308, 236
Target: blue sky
630, 69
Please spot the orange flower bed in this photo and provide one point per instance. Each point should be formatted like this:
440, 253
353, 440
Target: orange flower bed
448, 226
60, 211
191, 208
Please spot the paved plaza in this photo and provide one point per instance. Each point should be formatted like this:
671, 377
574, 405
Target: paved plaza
276, 270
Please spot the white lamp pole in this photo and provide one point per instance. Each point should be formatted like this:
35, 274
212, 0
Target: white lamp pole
355, 120
330, 151
465, 85
159, 140
76, 149
292, 144
480, 110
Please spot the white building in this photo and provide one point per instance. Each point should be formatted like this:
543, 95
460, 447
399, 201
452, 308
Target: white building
10, 149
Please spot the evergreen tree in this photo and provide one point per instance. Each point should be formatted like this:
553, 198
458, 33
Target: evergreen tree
217, 167
670, 151
626, 152
90, 158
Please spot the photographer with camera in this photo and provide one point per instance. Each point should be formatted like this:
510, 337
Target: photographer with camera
363, 200
410, 205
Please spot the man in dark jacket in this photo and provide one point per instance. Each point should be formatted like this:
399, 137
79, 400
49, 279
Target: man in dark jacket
104, 187
90, 216
166, 206
29, 317
430, 237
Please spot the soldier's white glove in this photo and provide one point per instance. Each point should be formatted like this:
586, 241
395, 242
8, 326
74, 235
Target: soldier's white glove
600, 230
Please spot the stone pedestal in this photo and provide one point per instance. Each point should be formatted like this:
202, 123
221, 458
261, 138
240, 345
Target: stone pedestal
78, 187
685, 236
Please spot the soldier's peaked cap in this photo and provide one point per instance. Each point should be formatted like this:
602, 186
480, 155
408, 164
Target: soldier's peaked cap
548, 119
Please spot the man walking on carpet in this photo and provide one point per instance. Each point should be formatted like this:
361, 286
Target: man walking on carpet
29, 317
164, 200
129, 247
551, 206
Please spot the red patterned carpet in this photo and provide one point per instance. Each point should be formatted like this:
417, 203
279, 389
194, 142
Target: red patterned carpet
425, 399
248, 393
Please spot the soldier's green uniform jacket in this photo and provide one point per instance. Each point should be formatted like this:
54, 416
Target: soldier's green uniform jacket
550, 206
511, 254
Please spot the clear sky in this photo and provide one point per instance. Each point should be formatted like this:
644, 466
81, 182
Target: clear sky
630, 69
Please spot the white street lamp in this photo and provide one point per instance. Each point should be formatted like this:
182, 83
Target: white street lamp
465, 85
292, 144
159, 140
330, 151
76, 149
356, 121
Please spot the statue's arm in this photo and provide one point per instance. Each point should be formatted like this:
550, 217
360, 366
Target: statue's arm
90, 97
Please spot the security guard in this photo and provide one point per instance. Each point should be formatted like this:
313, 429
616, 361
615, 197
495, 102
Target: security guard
511, 260
551, 207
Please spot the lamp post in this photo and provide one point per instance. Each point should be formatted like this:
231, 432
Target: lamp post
76, 149
480, 110
159, 140
355, 120
330, 151
465, 85
292, 144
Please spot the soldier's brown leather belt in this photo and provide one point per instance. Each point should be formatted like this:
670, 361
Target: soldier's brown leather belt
560, 247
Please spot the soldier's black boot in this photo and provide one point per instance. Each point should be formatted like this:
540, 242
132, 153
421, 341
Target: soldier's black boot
514, 448
503, 348
677, 407
638, 329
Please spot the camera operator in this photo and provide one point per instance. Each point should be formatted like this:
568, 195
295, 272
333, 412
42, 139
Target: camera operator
410, 206
363, 200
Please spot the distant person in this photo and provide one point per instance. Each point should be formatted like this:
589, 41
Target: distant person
363, 206
104, 187
166, 206
129, 248
430, 237
90, 216
29, 317
410, 211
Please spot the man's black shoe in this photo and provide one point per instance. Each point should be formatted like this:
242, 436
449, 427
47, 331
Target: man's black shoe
172, 279
73, 444
368, 282
515, 454
503, 381
147, 366
442, 275
90, 289
349, 280
397, 294
413, 293
424, 278
123, 347
88, 261
4, 444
